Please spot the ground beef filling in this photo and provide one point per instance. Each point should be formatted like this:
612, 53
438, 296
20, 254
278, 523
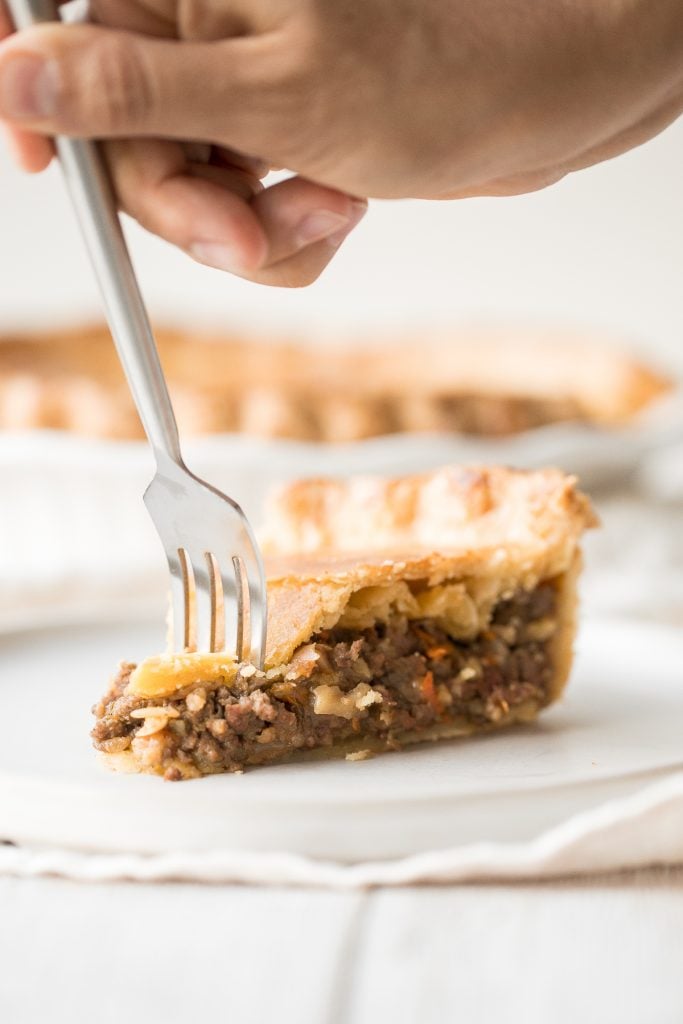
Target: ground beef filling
397, 678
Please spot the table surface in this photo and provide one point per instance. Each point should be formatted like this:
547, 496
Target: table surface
606, 950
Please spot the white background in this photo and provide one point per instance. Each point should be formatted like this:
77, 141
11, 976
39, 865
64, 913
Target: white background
603, 248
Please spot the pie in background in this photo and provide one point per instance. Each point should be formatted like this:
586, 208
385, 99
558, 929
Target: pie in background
399, 611
478, 383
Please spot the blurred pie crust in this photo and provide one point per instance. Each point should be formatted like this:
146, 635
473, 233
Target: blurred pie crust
478, 383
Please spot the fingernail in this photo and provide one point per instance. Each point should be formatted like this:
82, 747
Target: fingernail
217, 255
28, 87
318, 225
325, 224
359, 209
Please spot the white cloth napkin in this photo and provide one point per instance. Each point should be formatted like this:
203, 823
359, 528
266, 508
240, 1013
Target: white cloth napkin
645, 829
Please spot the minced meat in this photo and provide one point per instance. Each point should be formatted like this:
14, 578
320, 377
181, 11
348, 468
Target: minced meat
397, 678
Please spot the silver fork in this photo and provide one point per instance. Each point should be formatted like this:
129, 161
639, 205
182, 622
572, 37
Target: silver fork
211, 549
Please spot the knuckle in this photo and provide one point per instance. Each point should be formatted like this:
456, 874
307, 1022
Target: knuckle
284, 65
284, 74
121, 91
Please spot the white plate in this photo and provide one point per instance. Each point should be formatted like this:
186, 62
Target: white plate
618, 728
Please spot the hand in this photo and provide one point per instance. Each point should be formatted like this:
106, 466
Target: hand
206, 199
392, 98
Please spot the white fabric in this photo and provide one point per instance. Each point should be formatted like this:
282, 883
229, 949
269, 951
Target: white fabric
642, 830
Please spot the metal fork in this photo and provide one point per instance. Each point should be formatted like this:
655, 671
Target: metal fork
211, 549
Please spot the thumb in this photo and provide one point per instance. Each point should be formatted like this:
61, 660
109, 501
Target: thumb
88, 81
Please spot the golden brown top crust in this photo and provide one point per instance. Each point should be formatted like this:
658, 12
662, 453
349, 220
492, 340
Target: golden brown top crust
72, 380
453, 507
495, 528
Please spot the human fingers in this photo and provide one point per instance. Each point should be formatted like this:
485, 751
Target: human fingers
222, 216
93, 82
31, 152
188, 203
305, 225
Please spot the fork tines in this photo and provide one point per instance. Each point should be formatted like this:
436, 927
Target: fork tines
199, 595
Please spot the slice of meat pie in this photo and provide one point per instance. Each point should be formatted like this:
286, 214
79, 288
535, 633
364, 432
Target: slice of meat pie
399, 611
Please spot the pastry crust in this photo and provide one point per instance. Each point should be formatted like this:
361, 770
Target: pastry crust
492, 528
473, 382
448, 548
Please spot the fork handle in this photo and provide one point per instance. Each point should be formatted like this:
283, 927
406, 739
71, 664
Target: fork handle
92, 196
